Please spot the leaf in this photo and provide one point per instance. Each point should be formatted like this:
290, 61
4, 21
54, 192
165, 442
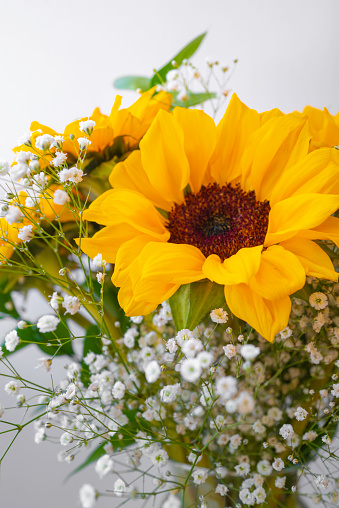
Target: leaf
186, 53
133, 83
193, 99
92, 341
94, 456
32, 335
192, 302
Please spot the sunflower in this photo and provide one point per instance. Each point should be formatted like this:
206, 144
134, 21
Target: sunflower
240, 204
324, 127
113, 134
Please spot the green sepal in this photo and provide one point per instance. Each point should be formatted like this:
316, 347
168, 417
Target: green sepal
133, 83
186, 53
192, 302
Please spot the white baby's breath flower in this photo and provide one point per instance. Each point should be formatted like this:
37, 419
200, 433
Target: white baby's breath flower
322, 482
205, 358
59, 159
137, 320
87, 126
98, 262
4, 167
60, 197
200, 475
18, 171
25, 139
12, 339
300, 414
83, 143
48, 323
88, 496
171, 345
184, 335
286, 333
13, 215
286, 431
264, 467
118, 390
335, 391
71, 175
26, 233
278, 464
159, 458
119, 487
44, 363
219, 316
221, 489
318, 300
44, 142
190, 369
226, 387
152, 371
71, 304
57, 142
169, 392
230, 350
104, 466
249, 352
280, 482
12, 387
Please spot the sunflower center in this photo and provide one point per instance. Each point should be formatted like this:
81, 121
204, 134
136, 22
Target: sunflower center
219, 220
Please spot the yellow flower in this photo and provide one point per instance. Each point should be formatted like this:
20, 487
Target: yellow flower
324, 127
129, 124
239, 204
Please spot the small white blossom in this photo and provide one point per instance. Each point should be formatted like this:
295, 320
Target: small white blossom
226, 387
183, 336
318, 301
286, 333
264, 467
45, 363
60, 197
247, 497
13, 215
200, 475
190, 369
48, 323
243, 468
23, 156
104, 466
119, 487
321, 481
44, 142
118, 390
310, 436
98, 262
172, 502
12, 387
71, 304
26, 233
57, 142
87, 495
286, 431
4, 167
219, 316
137, 320
221, 489
260, 495
230, 350
280, 482
18, 171
12, 339
87, 126
55, 300
171, 345
278, 464
249, 352
59, 159
191, 346
159, 458
205, 358
152, 371
83, 143
71, 175
169, 392
335, 391
300, 414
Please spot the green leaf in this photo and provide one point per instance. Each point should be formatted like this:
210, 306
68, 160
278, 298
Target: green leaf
133, 83
32, 335
193, 99
192, 302
185, 53
92, 341
94, 456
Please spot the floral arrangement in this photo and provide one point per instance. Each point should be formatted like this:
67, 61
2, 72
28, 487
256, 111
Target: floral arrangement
191, 269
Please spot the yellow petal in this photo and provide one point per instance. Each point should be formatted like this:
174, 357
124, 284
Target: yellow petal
233, 131
163, 157
172, 262
130, 174
237, 269
280, 274
108, 240
306, 211
200, 136
265, 316
328, 230
96, 213
277, 145
314, 260
318, 172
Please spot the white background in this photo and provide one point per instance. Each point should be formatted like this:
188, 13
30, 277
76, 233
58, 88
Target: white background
58, 60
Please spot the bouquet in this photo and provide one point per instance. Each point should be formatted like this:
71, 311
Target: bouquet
191, 270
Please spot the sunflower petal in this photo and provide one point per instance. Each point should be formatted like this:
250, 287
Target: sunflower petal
314, 260
130, 174
307, 211
280, 274
267, 317
328, 230
233, 131
237, 269
200, 137
163, 157
318, 172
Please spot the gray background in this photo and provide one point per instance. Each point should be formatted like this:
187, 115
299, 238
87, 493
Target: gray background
58, 60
